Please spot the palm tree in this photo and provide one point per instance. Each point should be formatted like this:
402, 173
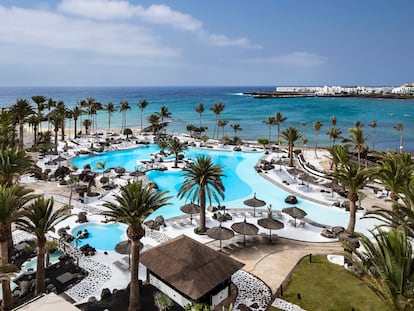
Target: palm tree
200, 109
56, 119
110, 109
270, 121
8, 134
76, 112
291, 135
63, 112
373, 124
202, 180
154, 120
217, 109
388, 267
358, 140
222, 124
317, 125
395, 172
40, 102
143, 103
21, 110
175, 146
34, 122
87, 124
39, 219
236, 128
303, 124
13, 164
164, 113
123, 107
399, 128
333, 133
278, 121
12, 200
134, 203
333, 120
352, 178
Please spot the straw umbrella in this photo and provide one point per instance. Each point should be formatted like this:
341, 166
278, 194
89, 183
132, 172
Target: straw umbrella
124, 247
295, 212
271, 224
254, 202
244, 228
191, 209
220, 233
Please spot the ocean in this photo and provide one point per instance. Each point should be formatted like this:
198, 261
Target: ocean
246, 111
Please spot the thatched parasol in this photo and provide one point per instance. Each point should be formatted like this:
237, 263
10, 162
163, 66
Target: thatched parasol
124, 247
220, 233
254, 202
271, 224
244, 228
137, 173
191, 209
59, 159
294, 212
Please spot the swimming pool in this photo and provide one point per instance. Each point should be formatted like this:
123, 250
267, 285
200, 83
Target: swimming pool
101, 236
241, 182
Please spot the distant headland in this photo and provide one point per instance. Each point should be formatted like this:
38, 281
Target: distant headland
405, 91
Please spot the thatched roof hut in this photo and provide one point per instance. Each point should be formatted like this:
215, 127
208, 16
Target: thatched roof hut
189, 271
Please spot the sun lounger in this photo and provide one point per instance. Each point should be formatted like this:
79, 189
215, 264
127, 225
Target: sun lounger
302, 224
291, 222
121, 265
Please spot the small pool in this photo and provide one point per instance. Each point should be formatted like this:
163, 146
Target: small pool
31, 264
101, 236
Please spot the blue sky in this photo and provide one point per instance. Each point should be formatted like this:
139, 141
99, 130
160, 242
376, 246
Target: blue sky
188, 42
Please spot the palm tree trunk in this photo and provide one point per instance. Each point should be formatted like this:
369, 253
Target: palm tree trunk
40, 272
291, 155
202, 199
21, 145
134, 298
7, 302
352, 217
76, 128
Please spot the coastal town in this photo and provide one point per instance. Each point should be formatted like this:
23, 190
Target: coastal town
405, 91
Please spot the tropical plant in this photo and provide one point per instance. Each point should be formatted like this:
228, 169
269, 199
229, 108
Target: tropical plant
127, 132
202, 180
270, 121
143, 103
197, 307
34, 121
222, 124
50, 246
200, 109
263, 141
40, 102
132, 205
154, 120
291, 135
110, 109
317, 125
21, 110
333, 133
176, 147
395, 172
40, 217
352, 178
279, 119
399, 128
56, 120
123, 108
13, 164
162, 301
387, 266
217, 109
7, 128
164, 114
303, 124
373, 124
77, 112
12, 200
358, 140
87, 124
236, 128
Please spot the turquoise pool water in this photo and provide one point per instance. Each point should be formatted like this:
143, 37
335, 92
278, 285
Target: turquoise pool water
32, 264
101, 236
241, 182
126, 158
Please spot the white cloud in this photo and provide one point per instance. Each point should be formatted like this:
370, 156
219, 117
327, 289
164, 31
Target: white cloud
155, 14
112, 9
47, 30
295, 59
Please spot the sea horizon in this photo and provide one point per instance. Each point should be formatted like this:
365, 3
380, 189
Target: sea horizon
246, 111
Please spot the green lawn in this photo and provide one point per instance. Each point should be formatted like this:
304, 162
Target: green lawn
323, 285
